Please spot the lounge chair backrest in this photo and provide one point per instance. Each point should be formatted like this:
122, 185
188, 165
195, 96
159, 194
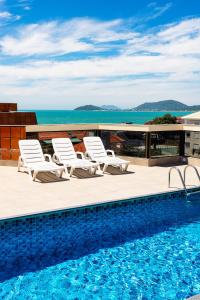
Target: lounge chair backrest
64, 149
31, 151
94, 147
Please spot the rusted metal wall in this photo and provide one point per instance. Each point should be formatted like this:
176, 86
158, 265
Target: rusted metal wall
9, 138
18, 118
6, 107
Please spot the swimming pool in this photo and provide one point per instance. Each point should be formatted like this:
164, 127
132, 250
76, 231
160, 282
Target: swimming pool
144, 248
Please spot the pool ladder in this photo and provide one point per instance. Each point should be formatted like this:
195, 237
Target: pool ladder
183, 177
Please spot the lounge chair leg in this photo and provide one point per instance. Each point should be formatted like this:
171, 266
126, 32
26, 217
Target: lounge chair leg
99, 167
126, 167
30, 174
71, 172
19, 164
34, 175
61, 173
104, 168
66, 171
95, 170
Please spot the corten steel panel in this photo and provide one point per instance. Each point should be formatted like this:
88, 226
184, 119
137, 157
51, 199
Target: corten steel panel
15, 132
6, 107
5, 132
80, 147
5, 143
15, 154
14, 143
22, 133
9, 139
80, 134
18, 118
5, 154
50, 135
3, 119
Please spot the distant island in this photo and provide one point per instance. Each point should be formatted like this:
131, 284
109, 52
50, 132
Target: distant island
94, 107
163, 105
166, 105
110, 107
88, 107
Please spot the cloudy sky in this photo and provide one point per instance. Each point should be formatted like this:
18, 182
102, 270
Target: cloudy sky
59, 54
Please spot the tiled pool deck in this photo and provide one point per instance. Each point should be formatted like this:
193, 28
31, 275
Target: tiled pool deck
20, 196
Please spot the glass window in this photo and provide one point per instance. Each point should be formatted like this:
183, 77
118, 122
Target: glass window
130, 143
196, 135
165, 143
196, 150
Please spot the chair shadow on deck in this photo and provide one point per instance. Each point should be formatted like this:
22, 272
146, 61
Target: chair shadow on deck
48, 177
84, 174
117, 171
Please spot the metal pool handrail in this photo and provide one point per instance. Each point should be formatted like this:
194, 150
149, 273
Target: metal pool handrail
194, 168
180, 175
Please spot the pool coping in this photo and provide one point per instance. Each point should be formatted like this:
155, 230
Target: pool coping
93, 205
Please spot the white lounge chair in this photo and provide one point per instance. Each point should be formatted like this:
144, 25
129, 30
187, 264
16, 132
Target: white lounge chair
33, 159
65, 154
95, 150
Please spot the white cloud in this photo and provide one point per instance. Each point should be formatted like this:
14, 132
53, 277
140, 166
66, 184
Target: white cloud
58, 38
174, 31
174, 39
24, 4
157, 64
5, 14
27, 7
158, 10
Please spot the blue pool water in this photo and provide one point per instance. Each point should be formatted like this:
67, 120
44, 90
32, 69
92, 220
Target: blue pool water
149, 249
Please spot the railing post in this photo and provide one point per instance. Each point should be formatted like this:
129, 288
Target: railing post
194, 168
147, 145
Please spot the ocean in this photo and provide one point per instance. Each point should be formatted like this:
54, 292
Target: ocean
77, 117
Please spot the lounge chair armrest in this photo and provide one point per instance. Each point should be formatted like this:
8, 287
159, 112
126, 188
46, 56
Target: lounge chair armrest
87, 155
20, 162
48, 157
55, 158
20, 159
111, 152
81, 154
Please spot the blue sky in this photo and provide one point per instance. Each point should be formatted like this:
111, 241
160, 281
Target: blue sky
61, 54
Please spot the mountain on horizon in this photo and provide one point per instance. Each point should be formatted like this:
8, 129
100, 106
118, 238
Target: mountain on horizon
165, 105
94, 107
88, 107
110, 107
162, 105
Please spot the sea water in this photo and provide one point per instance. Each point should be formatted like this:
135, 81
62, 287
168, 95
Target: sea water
74, 116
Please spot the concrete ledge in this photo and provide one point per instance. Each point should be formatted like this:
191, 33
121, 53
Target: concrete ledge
10, 163
193, 161
167, 161
126, 127
159, 161
197, 297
